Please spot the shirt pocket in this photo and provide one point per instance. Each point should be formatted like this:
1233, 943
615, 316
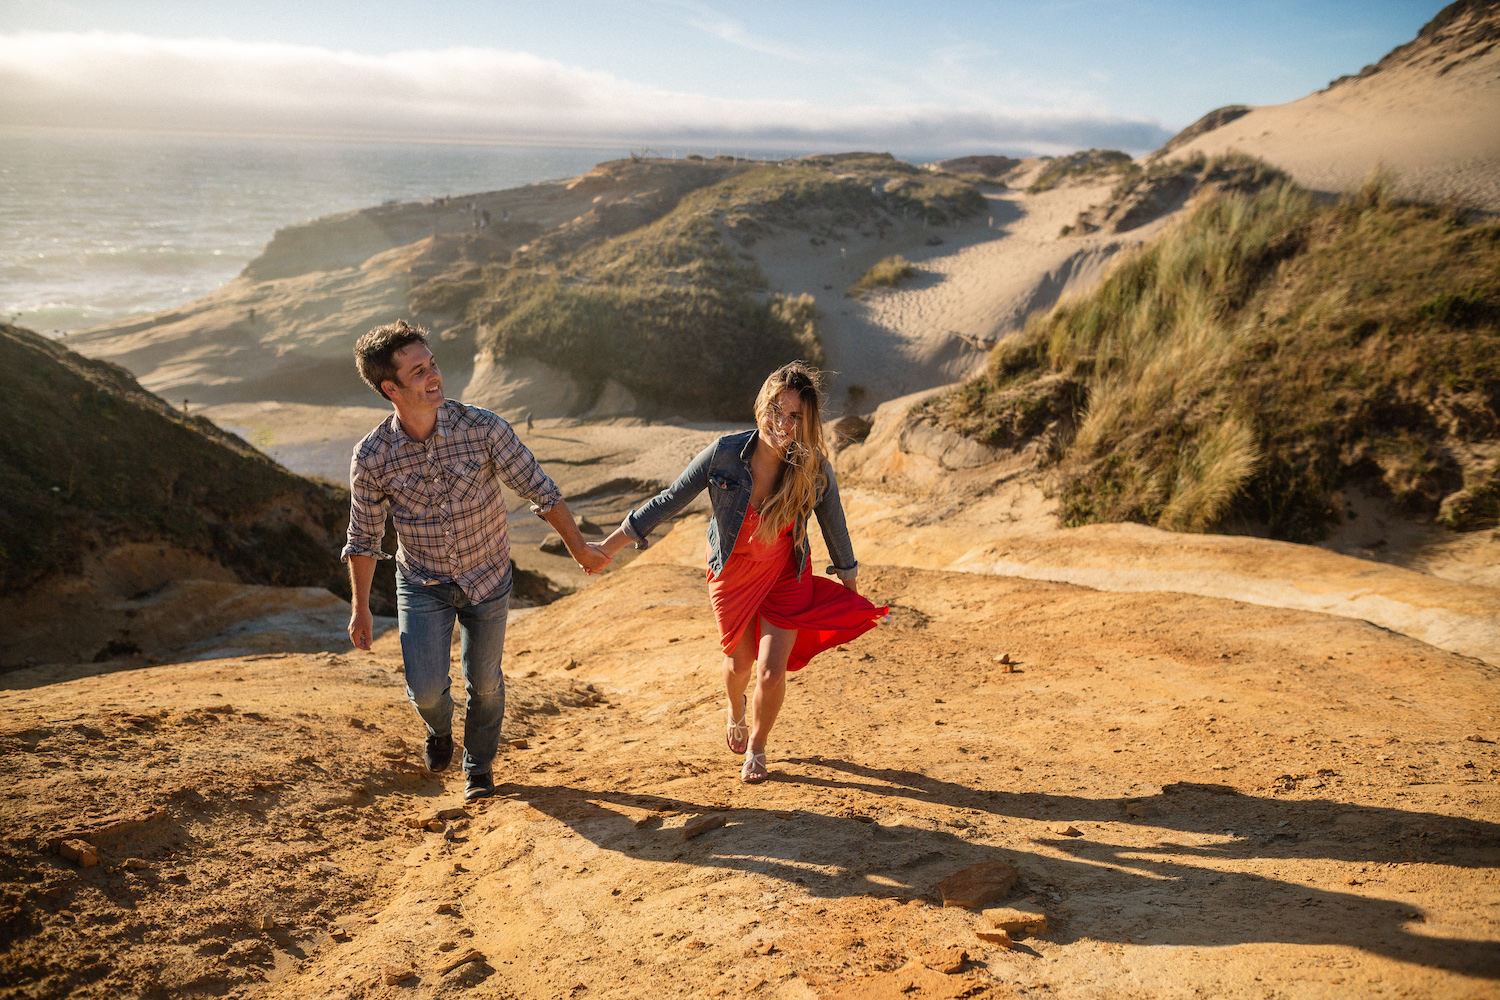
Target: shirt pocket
470, 483
409, 496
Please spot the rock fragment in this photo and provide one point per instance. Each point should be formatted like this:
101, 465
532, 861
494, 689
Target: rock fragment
80, 851
702, 824
1026, 917
393, 974
439, 816
999, 938
978, 885
946, 960
1066, 830
472, 955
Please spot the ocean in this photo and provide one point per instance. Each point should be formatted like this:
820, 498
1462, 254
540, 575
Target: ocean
95, 227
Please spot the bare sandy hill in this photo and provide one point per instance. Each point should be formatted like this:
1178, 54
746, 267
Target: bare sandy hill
1429, 111
1203, 797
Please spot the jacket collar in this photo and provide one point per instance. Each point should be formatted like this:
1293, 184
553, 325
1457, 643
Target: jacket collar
749, 448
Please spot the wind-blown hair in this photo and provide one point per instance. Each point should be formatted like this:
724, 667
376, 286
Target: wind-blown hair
802, 474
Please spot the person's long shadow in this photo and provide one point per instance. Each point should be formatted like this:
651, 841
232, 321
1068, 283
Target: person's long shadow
1115, 892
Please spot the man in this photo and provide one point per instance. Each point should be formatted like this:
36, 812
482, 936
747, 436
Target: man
438, 464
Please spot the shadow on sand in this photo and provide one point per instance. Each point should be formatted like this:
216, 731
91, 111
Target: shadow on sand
1128, 894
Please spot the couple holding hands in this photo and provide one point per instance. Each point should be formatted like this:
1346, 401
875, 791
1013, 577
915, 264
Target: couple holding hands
438, 465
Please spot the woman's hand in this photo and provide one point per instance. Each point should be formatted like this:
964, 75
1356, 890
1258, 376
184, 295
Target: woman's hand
598, 559
851, 584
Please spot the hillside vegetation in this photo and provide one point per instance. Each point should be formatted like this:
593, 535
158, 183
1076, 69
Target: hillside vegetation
91, 459
1260, 356
674, 308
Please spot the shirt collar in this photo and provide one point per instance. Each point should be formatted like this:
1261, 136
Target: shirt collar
440, 430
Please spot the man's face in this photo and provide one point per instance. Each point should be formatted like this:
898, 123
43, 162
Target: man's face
420, 384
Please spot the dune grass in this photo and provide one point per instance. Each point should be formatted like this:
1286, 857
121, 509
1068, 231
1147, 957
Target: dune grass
1081, 164
888, 272
92, 459
1259, 356
676, 310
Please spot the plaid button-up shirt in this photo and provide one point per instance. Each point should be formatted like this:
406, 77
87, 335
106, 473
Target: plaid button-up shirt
445, 496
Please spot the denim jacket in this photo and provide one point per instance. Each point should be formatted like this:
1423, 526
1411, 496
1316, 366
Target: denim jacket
723, 468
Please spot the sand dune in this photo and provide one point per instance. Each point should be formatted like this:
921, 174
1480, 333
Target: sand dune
1429, 111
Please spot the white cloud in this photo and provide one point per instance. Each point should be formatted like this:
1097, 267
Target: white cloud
133, 82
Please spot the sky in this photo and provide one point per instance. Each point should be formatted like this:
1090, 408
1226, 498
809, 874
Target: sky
941, 76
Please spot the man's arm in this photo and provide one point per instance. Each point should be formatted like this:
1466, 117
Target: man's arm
361, 622
587, 556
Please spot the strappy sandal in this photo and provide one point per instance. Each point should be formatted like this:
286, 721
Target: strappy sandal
737, 734
754, 771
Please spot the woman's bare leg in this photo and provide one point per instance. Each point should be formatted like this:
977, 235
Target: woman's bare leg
737, 674
770, 685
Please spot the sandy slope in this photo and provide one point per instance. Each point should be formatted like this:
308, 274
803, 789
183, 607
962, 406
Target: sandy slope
976, 283
1431, 114
1267, 803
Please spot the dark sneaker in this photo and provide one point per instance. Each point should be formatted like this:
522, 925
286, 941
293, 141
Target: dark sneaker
479, 786
439, 753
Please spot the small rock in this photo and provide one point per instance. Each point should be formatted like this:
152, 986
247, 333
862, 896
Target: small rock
220, 709
1026, 917
702, 824
447, 946
1004, 659
646, 821
472, 955
519, 745
572, 664
695, 945
339, 934
436, 825
947, 960
996, 937
267, 922
764, 948
80, 851
445, 908
553, 544
1066, 830
1476, 738
426, 819
978, 885
356, 723
328, 868
393, 974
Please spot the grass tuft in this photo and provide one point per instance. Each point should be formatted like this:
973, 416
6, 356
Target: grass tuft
888, 272
1260, 355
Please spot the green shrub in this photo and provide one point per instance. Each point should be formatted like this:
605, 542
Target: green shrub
1262, 353
885, 273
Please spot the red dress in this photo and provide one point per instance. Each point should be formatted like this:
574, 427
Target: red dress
760, 581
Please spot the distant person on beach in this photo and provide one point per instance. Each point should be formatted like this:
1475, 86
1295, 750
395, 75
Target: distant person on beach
528, 422
438, 465
773, 613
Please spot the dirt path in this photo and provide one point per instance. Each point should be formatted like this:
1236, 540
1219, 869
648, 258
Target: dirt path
1266, 803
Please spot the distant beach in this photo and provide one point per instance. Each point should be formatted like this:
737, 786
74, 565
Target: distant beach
100, 226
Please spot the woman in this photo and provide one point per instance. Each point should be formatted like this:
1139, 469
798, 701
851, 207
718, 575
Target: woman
770, 608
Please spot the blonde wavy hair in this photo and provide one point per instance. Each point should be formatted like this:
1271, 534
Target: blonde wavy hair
802, 470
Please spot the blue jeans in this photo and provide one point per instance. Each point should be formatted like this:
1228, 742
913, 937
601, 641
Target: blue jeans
426, 614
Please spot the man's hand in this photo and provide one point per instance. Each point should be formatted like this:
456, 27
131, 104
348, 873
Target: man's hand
361, 628
851, 584
597, 558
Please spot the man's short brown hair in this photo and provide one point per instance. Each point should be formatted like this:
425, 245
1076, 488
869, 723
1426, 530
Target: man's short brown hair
374, 353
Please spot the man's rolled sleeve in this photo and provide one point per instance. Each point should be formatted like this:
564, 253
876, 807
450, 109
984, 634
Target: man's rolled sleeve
367, 504
520, 470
